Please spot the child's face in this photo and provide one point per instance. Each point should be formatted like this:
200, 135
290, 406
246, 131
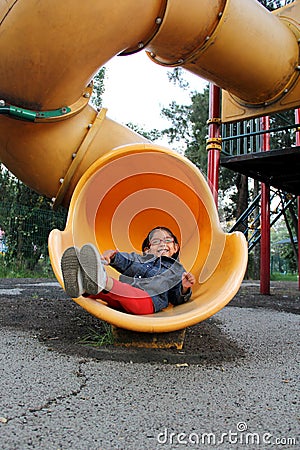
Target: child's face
162, 244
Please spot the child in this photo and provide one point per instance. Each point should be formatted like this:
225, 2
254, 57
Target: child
147, 282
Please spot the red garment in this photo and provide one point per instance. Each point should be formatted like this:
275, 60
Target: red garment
125, 297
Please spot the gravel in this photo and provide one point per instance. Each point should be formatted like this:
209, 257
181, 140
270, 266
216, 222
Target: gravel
234, 385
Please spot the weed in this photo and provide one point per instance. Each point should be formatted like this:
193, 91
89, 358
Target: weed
98, 336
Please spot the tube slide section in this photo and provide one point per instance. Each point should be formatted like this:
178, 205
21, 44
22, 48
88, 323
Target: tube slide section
134, 188
238, 45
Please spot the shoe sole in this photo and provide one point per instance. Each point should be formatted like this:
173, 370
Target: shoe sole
93, 273
70, 271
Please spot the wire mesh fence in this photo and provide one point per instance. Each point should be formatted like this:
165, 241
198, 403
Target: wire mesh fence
24, 235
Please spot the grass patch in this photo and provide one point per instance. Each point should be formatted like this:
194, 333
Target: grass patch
276, 276
98, 336
13, 269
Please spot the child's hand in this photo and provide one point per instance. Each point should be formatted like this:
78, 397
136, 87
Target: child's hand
188, 280
108, 255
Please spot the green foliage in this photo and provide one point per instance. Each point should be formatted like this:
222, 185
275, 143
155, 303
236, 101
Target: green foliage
176, 77
279, 231
271, 5
196, 148
152, 135
98, 88
284, 240
283, 277
10, 268
189, 122
289, 255
178, 115
27, 219
284, 138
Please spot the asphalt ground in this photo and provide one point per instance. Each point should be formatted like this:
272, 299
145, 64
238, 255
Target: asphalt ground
235, 384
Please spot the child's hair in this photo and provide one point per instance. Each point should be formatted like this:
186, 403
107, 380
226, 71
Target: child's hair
146, 242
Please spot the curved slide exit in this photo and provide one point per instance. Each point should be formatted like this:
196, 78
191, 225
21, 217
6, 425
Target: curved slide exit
116, 183
133, 189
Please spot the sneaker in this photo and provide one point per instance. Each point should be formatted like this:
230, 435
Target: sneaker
93, 273
71, 272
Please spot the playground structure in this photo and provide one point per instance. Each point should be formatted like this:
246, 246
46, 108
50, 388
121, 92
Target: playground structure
117, 184
269, 153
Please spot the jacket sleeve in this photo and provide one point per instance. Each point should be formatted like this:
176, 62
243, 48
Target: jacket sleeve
176, 297
123, 262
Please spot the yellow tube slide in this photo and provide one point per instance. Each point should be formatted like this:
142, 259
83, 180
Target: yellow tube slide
238, 45
133, 189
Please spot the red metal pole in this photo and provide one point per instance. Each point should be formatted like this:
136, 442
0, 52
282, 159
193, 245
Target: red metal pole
297, 120
214, 145
265, 246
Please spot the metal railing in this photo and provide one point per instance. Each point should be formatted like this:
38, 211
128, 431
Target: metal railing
245, 137
250, 219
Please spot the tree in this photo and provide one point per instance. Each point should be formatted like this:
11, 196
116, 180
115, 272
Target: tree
98, 88
188, 122
284, 237
152, 135
271, 5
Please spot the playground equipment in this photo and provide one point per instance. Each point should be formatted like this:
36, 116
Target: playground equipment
118, 184
129, 191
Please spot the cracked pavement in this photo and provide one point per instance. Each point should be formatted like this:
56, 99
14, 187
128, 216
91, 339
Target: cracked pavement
237, 386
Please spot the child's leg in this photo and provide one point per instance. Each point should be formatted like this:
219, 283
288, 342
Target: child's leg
121, 296
124, 296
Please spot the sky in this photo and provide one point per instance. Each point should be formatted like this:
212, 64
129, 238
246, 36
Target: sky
136, 89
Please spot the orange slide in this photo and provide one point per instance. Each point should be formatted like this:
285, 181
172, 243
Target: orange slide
133, 189
117, 184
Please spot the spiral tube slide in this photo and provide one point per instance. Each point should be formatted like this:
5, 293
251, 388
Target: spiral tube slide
134, 188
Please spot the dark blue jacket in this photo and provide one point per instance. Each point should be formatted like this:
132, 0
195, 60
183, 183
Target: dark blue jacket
160, 277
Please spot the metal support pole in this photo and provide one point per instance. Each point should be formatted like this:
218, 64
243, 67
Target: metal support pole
297, 117
214, 145
265, 246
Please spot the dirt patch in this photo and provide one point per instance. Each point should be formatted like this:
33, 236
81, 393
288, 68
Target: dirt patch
284, 296
42, 308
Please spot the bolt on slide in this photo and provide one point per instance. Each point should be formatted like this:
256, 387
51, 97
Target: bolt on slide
116, 183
